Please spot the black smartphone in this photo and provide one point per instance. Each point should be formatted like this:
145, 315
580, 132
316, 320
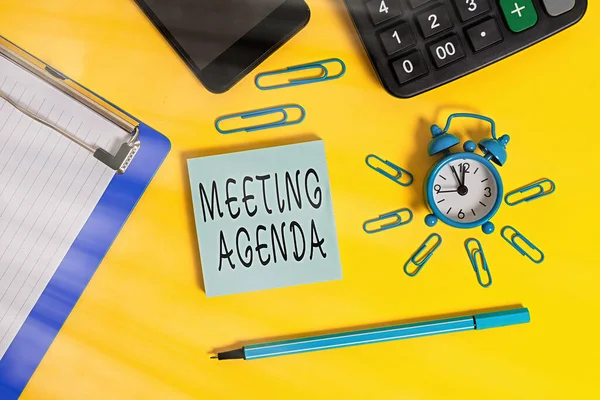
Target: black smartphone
223, 40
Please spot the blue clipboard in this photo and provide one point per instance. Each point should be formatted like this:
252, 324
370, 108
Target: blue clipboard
85, 255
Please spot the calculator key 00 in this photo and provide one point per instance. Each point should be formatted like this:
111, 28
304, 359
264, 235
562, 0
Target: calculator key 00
417, 45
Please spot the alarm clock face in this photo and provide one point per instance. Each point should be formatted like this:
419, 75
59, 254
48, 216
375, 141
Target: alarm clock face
465, 190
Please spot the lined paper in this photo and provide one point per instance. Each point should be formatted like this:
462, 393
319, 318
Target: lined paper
49, 186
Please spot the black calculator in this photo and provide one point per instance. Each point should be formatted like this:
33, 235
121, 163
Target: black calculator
417, 45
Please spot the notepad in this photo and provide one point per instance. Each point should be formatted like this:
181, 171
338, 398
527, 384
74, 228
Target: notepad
264, 218
49, 186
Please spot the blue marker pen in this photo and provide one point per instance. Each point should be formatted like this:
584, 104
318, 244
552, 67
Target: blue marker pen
480, 321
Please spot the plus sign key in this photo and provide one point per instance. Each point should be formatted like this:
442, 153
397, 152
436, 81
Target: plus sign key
519, 14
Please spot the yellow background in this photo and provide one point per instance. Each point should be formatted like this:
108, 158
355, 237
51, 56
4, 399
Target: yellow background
144, 329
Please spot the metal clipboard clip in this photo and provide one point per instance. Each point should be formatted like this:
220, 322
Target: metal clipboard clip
473, 257
533, 191
396, 217
127, 151
318, 66
422, 253
284, 121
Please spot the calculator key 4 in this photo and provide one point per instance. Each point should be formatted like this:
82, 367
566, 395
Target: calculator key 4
468, 9
446, 51
434, 21
519, 14
397, 38
484, 34
558, 7
383, 10
409, 67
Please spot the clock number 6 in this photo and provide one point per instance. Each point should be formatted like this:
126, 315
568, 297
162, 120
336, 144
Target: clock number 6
488, 192
461, 214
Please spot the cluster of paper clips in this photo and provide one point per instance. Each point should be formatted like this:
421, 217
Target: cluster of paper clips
323, 74
402, 177
527, 193
475, 253
474, 249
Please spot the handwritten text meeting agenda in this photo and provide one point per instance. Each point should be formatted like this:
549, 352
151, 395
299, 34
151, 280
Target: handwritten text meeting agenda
299, 189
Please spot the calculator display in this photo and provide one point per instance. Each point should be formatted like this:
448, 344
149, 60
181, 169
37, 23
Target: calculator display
206, 28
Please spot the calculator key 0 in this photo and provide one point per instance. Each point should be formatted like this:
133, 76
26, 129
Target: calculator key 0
558, 7
409, 67
468, 9
446, 51
484, 34
434, 21
519, 14
397, 38
383, 10
418, 3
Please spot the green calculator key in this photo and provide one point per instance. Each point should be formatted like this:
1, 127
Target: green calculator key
520, 14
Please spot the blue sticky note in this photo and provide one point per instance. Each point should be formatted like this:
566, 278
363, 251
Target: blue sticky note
264, 218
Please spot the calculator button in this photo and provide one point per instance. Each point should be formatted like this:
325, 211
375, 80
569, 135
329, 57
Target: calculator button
558, 7
382, 10
484, 35
397, 38
418, 3
446, 51
409, 67
520, 14
434, 21
468, 9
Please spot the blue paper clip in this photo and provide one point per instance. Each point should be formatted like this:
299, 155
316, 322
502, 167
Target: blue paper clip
512, 242
537, 188
252, 114
426, 256
398, 221
478, 268
319, 66
400, 172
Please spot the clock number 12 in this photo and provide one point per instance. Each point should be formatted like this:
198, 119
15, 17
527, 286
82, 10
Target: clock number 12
465, 166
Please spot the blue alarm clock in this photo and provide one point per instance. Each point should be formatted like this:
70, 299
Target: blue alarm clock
464, 189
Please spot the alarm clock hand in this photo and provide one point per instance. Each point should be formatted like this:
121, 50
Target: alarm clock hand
464, 170
447, 191
456, 176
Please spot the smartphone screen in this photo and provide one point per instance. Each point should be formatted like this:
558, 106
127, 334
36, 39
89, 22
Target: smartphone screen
204, 30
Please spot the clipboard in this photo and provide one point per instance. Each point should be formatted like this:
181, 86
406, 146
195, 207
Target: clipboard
135, 164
